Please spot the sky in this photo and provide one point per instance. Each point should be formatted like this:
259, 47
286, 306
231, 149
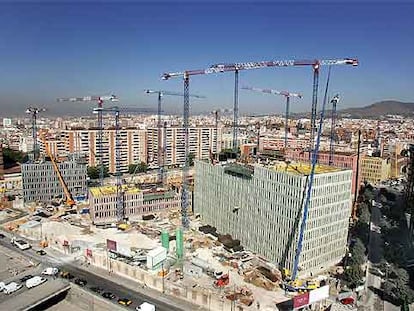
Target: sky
50, 50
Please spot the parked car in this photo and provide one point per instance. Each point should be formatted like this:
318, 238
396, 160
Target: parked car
124, 301
21, 244
35, 281
41, 252
145, 306
11, 288
50, 271
26, 277
81, 282
108, 295
97, 289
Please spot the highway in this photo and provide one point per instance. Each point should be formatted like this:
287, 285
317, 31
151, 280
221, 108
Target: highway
93, 280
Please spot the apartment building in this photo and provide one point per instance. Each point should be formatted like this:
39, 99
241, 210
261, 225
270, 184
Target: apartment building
202, 142
227, 140
136, 203
85, 142
263, 208
40, 181
375, 169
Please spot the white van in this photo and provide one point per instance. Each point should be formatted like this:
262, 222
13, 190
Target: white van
35, 281
145, 306
11, 287
21, 244
50, 271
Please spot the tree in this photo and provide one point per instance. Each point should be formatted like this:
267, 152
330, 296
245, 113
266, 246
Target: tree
353, 276
11, 157
141, 167
93, 172
358, 253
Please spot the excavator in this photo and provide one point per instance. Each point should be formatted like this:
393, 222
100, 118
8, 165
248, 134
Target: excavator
68, 196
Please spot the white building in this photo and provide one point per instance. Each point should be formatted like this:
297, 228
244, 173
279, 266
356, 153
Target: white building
263, 208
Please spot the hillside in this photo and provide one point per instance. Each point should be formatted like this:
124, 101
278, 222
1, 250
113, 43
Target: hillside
380, 109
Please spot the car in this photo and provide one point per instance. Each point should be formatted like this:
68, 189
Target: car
50, 271
97, 289
66, 275
35, 281
41, 252
25, 278
11, 288
124, 301
108, 295
81, 282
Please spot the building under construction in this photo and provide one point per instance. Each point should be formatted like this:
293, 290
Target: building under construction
262, 206
41, 183
137, 202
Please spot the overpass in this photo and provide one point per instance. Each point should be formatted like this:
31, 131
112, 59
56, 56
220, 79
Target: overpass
29, 299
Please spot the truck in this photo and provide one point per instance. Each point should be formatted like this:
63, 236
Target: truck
20, 244
35, 281
145, 306
11, 287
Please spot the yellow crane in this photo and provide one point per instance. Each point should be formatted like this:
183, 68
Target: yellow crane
69, 200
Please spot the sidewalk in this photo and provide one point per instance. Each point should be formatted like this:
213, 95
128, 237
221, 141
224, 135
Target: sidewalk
128, 283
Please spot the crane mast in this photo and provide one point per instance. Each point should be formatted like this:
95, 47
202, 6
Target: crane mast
334, 102
162, 142
34, 112
236, 67
286, 94
100, 100
315, 153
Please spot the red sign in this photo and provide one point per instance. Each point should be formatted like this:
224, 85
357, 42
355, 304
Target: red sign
65, 243
111, 245
88, 252
301, 300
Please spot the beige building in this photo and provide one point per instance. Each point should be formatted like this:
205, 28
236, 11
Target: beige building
375, 169
137, 202
85, 142
202, 142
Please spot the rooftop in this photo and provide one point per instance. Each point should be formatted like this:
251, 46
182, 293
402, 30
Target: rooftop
109, 190
301, 168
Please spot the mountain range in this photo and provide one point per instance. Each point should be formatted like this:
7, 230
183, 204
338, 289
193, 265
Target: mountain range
382, 108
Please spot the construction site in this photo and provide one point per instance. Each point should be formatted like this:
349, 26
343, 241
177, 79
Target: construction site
240, 234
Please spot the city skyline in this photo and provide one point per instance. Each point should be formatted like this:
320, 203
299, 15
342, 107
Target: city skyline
56, 50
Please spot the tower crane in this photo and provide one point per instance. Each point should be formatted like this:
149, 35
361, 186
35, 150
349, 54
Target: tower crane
100, 100
235, 67
315, 154
334, 102
162, 142
34, 112
287, 95
216, 114
120, 211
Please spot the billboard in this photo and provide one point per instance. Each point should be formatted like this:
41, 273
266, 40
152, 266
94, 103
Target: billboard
301, 300
319, 294
111, 245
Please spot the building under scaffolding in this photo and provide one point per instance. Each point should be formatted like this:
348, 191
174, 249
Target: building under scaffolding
262, 206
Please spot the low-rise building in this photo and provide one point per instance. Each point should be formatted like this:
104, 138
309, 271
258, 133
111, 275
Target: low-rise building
375, 169
137, 202
41, 183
